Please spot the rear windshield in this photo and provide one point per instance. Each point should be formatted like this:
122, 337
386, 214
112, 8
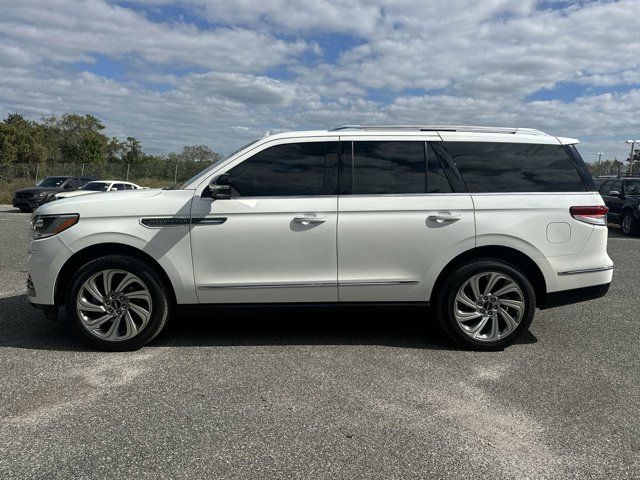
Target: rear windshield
488, 167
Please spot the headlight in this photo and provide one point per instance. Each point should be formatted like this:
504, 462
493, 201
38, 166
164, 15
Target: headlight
40, 194
43, 226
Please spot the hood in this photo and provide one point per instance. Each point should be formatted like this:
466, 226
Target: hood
105, 204
74, 193
35, 190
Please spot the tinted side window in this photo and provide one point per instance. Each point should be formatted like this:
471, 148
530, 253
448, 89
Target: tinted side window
616, 186
515, 167
117, 186
632, 187
606, 187
389, 167
282, 170
437, 181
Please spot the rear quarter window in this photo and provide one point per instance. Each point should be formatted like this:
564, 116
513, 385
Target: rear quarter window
491, 167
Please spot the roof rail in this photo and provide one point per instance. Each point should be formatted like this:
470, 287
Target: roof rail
442, 128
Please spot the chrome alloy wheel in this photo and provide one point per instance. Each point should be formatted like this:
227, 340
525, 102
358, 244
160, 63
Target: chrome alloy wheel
489, 306
114, 305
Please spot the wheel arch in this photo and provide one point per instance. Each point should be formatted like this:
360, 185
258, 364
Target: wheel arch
627, 209
99, 250
519, 259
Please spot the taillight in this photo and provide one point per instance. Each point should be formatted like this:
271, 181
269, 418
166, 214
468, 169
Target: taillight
594, 215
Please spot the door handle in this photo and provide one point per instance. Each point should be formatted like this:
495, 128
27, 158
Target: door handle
309, 219
444, 217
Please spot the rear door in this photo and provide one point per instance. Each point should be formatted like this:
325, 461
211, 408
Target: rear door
522, 188
398, 221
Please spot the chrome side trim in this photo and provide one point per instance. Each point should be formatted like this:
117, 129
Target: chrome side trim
348, 283
164, 222
360, 283
209, 221
265, 285
173, 222
586, 270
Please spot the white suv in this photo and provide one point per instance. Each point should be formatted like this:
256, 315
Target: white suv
484, 224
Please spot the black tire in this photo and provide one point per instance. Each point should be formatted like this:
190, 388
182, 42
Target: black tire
629, 225
26, 210
159, 294
445, 297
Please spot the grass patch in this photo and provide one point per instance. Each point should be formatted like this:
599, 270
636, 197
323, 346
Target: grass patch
8, 187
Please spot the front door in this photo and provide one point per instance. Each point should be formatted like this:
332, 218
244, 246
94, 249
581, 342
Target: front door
398, 220
275, 239
614, 203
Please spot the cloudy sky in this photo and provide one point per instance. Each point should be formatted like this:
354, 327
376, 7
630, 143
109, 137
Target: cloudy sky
222, 72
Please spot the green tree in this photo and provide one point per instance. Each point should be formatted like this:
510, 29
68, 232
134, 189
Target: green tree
198, 153
79, 138
132, 149
21, 141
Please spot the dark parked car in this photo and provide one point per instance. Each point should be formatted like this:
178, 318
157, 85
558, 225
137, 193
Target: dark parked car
28, 199
622, 196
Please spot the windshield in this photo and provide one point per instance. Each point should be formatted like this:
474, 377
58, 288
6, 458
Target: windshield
179, 186
95, 186
632, 187
51, 182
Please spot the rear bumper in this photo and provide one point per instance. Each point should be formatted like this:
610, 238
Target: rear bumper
576, 295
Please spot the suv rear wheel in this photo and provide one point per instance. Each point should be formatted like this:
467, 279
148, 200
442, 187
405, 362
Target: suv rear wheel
629, 224
116, 303
487, 304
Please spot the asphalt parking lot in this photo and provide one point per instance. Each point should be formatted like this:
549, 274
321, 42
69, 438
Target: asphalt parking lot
278, 395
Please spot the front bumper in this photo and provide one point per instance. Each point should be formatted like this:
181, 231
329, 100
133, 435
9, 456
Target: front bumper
28, 203
46, 258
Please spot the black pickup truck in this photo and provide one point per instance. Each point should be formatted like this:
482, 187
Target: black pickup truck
28, 199
622, 196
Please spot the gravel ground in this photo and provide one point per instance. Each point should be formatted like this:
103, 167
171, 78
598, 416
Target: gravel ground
282, 395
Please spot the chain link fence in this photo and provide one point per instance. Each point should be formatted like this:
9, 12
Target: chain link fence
158, 174
166, 170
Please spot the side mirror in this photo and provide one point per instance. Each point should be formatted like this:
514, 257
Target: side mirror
220, 187
614, 193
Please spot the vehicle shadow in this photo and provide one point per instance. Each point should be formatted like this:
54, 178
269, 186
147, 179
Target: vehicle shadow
22, 326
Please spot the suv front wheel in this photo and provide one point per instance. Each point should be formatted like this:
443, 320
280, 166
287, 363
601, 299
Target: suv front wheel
487, 304
116, 303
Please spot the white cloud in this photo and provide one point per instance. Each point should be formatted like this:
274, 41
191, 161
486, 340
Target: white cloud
62, 31
459, 61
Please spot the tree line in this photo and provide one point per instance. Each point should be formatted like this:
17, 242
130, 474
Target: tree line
615, 166
80, 139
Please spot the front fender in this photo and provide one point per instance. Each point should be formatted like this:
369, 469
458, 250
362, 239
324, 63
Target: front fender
170, 247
